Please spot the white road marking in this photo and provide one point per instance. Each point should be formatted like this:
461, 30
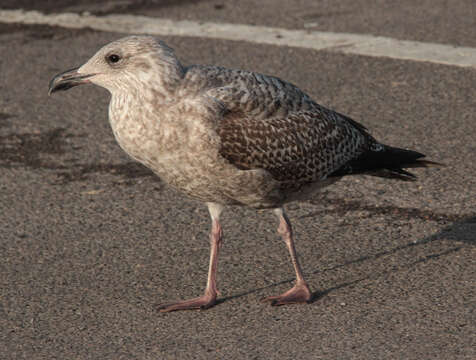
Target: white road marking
360, 44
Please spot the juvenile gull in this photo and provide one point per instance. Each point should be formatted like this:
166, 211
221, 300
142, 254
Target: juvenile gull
230, 137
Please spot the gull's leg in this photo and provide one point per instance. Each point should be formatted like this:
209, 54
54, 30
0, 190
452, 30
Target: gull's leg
208, 299
300, 292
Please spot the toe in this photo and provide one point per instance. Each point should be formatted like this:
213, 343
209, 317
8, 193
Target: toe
203, 302
297, 295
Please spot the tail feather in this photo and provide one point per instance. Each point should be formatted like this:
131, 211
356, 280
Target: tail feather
387, 162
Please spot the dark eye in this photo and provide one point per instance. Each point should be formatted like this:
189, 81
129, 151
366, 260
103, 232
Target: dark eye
113, 58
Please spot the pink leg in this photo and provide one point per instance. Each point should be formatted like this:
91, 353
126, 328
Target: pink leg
208, 299
300, 292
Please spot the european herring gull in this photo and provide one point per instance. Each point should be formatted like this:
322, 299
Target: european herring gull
230, 137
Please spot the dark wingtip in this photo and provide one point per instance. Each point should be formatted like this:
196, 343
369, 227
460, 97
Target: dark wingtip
397, 173
423, 164
387, 162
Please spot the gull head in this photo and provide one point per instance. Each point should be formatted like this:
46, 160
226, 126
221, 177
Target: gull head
124, 64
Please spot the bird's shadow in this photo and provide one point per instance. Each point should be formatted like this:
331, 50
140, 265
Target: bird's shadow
461, 232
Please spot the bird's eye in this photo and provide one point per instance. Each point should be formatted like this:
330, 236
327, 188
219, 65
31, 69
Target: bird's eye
113, 58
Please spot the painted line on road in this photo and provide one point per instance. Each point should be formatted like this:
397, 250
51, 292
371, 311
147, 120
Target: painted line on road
368, 45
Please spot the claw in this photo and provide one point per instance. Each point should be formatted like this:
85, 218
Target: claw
297, 295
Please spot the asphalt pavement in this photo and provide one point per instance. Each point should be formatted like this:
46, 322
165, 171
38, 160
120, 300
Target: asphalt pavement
90, 241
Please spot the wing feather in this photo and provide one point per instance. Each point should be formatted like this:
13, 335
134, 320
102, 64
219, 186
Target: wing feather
302, 147
271, 124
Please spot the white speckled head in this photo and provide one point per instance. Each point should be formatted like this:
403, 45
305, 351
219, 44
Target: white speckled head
131, 61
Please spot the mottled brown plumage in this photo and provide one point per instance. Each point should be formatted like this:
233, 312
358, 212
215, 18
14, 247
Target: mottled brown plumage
230, 137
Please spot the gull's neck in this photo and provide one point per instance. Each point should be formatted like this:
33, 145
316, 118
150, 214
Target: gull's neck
138, 106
